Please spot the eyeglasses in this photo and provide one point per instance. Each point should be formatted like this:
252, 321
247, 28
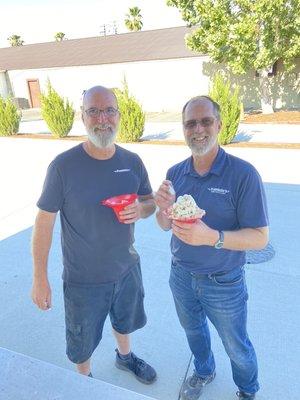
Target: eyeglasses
204, 122
96, 112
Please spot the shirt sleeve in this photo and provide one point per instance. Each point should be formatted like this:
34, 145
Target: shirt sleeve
52, 196
145, 186
169, 175
251, 203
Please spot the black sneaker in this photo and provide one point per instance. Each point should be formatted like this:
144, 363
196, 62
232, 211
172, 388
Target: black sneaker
193, 386
245, 396
142, 371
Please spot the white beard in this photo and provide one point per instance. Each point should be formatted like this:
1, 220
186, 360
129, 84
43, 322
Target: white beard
101, 136
199, 149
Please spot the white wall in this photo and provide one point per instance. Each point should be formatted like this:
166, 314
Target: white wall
163, 85
159, 85
4, 90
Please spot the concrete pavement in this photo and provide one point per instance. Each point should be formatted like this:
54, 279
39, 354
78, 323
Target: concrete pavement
26, 378
172, 131
274, 306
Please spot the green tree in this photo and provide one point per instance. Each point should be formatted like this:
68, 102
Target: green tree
60, 36
9, 117
133, 21
15, 40
245, 34
132, 121
230, 104
57, 112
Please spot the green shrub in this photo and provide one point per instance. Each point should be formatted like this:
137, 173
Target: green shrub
132, 121
9, 118
230, 104
57, 112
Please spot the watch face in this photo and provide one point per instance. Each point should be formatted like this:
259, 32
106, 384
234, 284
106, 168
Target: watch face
220, 242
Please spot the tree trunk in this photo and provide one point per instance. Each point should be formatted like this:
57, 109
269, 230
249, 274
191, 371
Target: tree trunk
266, 101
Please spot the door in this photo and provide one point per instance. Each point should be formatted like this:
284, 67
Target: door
34, 92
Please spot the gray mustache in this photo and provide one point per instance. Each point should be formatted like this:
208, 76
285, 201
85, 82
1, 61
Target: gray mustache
104, 126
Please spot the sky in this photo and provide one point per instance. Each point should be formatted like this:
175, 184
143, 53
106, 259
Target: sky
37, 21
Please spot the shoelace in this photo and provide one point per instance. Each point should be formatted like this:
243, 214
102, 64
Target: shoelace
138, 363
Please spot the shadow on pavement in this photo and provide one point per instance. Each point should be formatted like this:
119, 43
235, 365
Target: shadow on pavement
274, 311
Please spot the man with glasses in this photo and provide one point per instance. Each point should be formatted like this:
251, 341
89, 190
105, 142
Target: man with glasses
102, 274
207, 276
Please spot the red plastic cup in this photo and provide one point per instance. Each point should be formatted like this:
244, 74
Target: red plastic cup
118, 203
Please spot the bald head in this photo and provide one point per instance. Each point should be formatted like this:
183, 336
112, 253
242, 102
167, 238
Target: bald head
98, 92
203, 100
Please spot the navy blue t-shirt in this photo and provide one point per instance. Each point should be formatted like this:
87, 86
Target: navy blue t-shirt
233, 196
96, 247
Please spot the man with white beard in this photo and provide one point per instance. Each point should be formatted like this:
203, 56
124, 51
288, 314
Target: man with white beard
207, 276
102, 274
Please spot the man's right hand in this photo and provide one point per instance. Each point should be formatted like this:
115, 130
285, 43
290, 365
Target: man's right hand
41, 294
41, 243
165, 197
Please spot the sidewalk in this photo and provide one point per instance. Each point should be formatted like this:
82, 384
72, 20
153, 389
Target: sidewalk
172, 131
274, 286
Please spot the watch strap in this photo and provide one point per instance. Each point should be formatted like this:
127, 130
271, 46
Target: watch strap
219, 243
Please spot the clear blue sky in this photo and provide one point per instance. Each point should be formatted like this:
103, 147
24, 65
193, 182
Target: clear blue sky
38, 20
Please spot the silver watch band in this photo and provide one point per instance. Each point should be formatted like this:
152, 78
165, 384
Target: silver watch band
220, 241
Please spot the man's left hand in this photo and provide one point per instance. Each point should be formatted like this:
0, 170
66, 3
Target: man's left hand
131, 213
196, 234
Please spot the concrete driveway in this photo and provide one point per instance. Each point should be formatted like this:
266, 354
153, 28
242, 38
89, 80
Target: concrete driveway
172, 131
274, 286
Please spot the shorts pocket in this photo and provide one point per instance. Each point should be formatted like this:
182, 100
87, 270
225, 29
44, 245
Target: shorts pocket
75, 330
75, 346
140, 280
229, 278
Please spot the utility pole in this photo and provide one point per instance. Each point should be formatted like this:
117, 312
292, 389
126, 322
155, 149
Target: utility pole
109, 29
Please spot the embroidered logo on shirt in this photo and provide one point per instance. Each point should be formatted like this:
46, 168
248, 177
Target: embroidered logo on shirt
218, 190
122, 170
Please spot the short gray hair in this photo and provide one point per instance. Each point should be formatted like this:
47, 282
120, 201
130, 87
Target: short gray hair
216, 107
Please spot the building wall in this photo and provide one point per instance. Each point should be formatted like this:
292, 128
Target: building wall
284, 87
163, 85
4, 84
158, 85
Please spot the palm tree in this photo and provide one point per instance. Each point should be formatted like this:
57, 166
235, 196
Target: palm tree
59, 36
15, 40
133, 19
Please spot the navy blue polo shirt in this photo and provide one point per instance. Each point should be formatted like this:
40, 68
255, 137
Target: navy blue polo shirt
96, 247
233, 196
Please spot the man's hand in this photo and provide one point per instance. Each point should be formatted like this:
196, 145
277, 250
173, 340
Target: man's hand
41, 294
165, 196
41, 243
141, 208
199, 234
196, 234
131, 213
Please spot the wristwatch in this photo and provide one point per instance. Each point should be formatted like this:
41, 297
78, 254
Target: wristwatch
219, 243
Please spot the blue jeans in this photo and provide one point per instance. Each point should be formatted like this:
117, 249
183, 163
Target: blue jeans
222, 298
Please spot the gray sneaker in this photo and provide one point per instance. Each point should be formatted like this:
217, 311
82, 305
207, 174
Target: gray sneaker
193, 386
142, 370
245, 396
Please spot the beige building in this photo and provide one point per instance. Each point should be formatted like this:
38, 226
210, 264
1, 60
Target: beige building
161, 72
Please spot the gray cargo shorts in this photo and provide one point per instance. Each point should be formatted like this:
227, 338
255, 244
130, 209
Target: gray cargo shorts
86, 308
